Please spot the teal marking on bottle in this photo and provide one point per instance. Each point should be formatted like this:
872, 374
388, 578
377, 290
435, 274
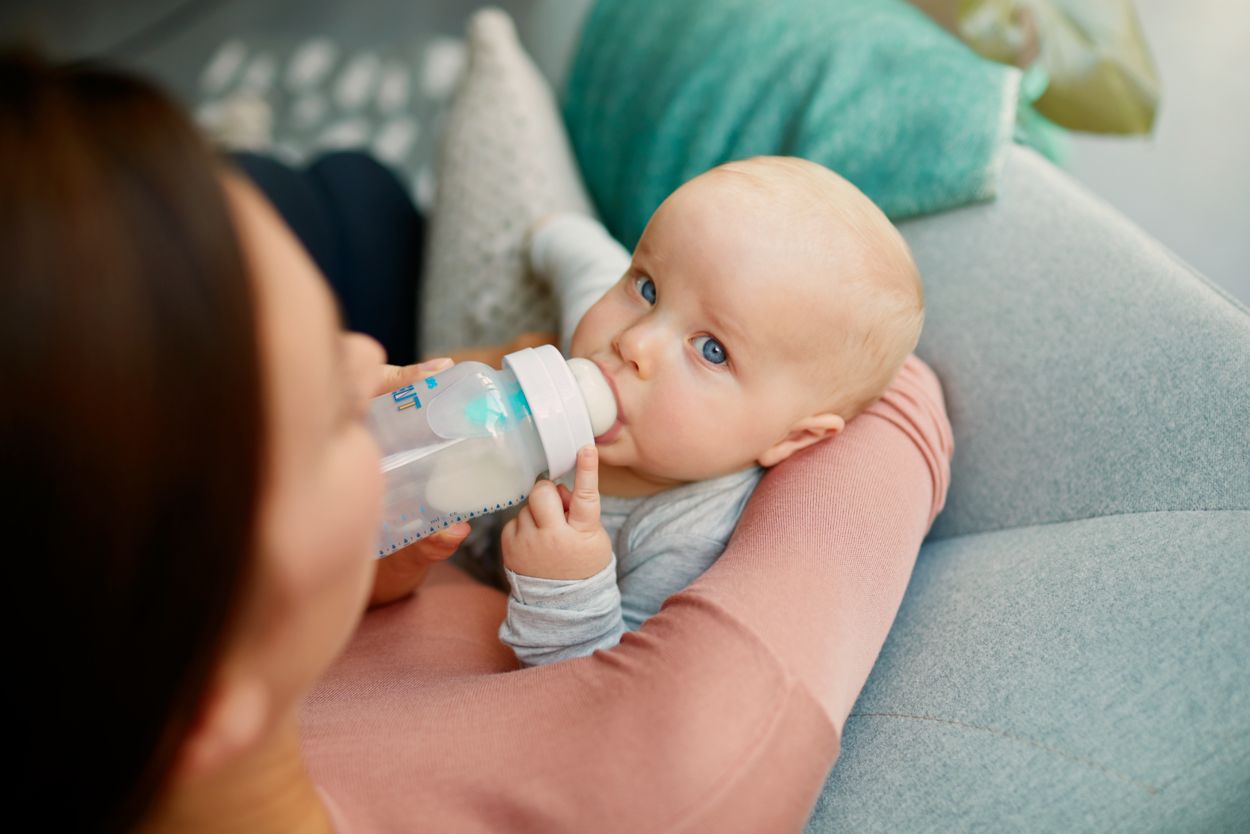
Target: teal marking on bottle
520, 405
431, 383
485, 412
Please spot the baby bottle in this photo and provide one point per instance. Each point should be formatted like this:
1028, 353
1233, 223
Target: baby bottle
473, 440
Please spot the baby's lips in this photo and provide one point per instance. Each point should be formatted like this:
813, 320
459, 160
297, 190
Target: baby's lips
609, 435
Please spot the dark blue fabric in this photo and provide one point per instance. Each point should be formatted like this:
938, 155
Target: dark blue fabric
364, 233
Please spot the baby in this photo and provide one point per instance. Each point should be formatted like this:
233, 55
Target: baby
767, 303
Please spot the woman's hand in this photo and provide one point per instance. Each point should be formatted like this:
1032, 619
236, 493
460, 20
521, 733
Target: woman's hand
399, 574
397, 376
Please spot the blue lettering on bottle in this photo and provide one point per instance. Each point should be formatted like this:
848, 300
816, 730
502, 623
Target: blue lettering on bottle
406, 397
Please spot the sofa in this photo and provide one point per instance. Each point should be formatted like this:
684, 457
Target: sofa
1073, 650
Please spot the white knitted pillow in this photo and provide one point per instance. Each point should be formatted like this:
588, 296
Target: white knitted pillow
503, 163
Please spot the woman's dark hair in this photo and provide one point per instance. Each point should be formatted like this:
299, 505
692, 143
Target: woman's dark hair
130, 429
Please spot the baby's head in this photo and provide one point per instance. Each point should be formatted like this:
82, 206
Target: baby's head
767, 303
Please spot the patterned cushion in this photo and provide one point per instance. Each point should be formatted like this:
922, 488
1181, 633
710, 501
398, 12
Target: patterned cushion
504, 163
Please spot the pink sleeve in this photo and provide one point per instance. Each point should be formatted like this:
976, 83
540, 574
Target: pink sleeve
723, 713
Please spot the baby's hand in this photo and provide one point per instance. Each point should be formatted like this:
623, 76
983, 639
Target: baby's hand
557, 535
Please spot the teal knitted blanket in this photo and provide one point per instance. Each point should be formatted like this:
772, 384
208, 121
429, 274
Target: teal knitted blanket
661, 90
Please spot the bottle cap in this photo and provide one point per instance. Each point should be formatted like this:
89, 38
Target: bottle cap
560, 409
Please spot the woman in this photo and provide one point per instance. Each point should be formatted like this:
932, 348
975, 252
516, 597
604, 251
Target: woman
195, 497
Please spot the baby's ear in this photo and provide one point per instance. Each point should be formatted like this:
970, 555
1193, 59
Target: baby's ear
802, 434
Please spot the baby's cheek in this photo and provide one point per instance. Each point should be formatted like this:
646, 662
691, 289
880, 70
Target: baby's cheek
577, 345
673, 435
590, 333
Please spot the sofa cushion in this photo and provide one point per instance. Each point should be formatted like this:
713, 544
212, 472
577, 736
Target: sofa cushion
661, 91
1079, 676
504, 161
1072, 651
1087, 371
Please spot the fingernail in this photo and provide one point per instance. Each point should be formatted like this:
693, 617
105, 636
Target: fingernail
434, 365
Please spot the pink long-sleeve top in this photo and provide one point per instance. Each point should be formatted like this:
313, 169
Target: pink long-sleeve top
722, 714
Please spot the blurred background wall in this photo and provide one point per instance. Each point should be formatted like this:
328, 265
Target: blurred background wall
1188, 184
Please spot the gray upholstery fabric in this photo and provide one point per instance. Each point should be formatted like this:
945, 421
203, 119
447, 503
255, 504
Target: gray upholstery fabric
1086, 370
1073, 652
1080, 676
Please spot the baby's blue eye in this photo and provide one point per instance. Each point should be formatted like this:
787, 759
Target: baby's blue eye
712, 350
646, 288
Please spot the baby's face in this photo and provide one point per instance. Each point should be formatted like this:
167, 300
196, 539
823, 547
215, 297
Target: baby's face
705, 337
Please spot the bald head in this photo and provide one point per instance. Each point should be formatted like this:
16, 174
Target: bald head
873, 299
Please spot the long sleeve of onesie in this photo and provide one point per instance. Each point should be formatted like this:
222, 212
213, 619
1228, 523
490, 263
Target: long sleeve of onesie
581, 261
559, 619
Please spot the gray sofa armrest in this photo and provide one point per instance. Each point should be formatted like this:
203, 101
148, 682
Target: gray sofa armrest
1087, 370
1073, 651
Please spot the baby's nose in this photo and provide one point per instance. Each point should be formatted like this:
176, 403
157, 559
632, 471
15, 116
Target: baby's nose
636, 347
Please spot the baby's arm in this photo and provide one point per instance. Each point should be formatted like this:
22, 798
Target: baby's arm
580, 260
564, 601
558, 559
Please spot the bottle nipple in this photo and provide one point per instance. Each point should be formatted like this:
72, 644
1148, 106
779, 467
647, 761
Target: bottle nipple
600, 403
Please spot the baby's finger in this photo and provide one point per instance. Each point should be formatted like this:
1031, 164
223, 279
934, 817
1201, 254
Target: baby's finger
544, 502
566, 496
584, 503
